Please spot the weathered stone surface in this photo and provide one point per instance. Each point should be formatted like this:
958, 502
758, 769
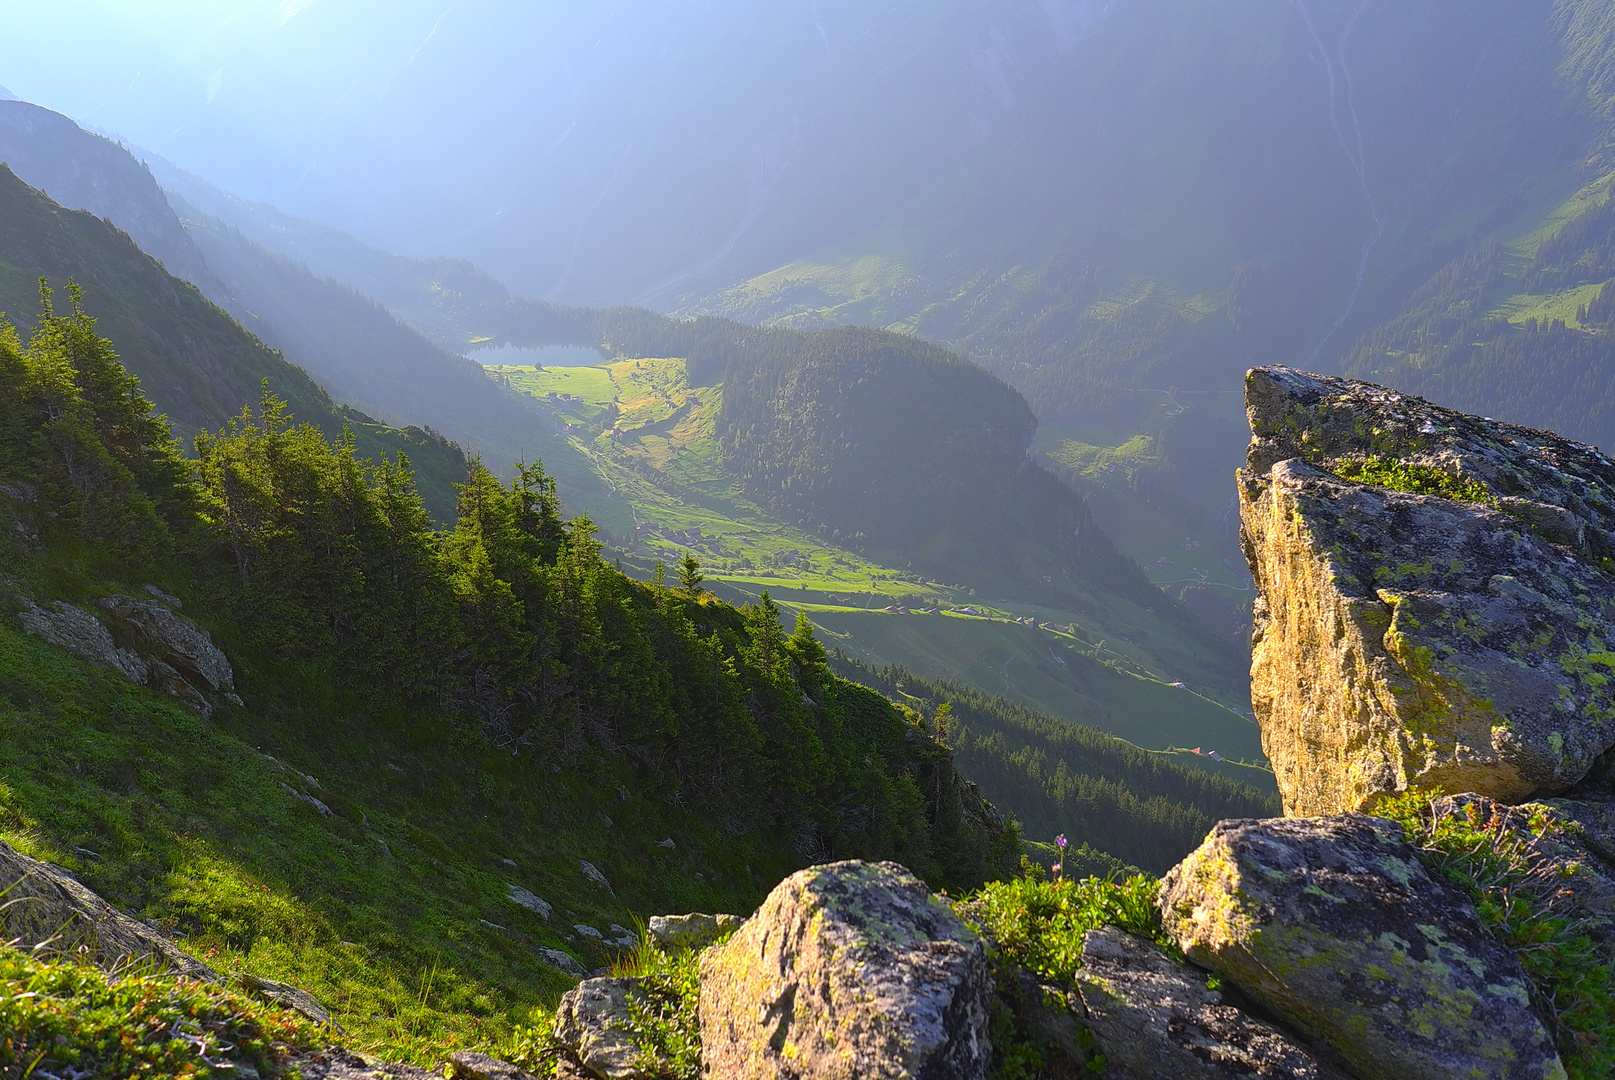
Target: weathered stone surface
339, 1064
1156, 1017
82, 634
1334, 925
564, 961
1410, 640
592, 1021
173, 639
45, 904
693, 931
470, 1065
292, 997
528, 900
848, 969
148, 643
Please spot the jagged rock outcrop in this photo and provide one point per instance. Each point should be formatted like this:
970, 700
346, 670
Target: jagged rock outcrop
171, 639
83, 635
1154, 1016
1333, 924
1432, 596
146, 641
848, 970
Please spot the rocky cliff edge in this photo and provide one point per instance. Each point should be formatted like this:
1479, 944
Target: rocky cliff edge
1434, 596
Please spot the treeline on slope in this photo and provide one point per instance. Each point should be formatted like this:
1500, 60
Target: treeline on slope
328, 570
1058, 777
189, 354
359, 350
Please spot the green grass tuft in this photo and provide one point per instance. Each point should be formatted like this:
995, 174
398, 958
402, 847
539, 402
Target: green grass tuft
1522, 900
1410, 477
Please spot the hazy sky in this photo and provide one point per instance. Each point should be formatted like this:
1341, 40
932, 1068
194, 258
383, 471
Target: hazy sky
314, 104
590, 150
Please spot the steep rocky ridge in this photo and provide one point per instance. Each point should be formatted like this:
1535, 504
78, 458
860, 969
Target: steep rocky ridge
87, 172
354, 348
1433, 596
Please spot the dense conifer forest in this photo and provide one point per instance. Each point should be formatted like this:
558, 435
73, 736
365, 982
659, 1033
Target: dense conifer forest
318, 562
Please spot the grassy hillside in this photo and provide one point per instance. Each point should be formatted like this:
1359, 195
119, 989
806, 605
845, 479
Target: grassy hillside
480, 710
654, 443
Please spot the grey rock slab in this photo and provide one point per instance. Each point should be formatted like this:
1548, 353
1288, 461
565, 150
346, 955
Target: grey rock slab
470, 1065
1155, 1016
46, 904
339, 1064
175, 640
1333, 926
592, 872
1409, 640
83, 635
564, 961
292, 997
592, 1021
692, 931
530, 901
848, 969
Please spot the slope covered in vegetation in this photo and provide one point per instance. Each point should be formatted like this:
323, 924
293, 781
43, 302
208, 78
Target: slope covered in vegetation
490, 715
1058, 777
192, 358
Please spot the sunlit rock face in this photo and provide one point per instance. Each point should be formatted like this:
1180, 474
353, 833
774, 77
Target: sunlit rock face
848, 971
1434, 596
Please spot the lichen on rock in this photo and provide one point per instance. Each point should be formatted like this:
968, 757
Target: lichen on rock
1334, 924
1402, 639
1155, 1016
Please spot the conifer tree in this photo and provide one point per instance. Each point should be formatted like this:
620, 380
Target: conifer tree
690, 576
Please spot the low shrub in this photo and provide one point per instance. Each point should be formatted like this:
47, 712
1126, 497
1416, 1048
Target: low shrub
62, 1018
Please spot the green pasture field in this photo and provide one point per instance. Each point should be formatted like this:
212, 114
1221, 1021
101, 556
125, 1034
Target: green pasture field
654, 458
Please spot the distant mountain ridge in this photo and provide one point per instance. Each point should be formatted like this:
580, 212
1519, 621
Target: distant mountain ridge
193, 359
357, 351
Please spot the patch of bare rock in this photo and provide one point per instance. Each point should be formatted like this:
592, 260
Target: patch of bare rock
146, 640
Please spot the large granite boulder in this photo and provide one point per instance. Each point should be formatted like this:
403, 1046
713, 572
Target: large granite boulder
1432, 591
1334, 925
848, 970
1155, 1016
